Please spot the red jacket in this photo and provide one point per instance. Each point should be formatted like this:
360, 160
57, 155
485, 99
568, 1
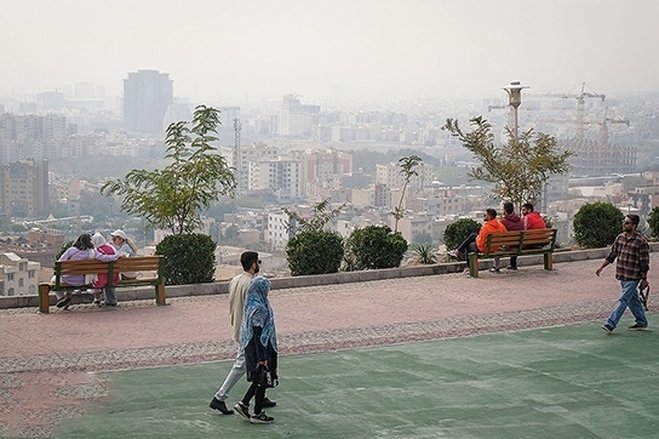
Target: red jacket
533, 220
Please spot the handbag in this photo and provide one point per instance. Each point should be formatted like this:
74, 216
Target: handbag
644, 293
265, 377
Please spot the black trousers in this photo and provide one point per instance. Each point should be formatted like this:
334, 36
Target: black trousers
255, 391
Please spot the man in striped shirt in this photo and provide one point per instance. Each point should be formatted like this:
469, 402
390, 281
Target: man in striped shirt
633, 254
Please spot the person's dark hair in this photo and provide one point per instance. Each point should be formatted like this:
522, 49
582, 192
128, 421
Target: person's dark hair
84, 242
491, 212
248, 258
508, 207
635, 219
528, 206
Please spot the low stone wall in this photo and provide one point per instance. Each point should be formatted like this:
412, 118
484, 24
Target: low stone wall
146, 293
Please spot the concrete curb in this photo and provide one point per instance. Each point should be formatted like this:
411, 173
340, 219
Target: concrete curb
146, 293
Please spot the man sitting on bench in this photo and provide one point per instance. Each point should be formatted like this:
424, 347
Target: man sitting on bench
476, 242
532, 220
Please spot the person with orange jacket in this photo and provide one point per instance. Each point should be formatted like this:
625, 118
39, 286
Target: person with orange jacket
476, 242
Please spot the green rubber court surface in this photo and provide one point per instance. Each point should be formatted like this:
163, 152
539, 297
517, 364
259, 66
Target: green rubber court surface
563, 382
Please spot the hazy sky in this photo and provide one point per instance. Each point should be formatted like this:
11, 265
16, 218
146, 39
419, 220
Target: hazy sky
366, 49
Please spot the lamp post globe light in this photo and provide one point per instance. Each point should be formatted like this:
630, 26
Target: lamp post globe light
514, 91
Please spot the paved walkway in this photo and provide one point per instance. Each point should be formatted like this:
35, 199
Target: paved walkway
46, 360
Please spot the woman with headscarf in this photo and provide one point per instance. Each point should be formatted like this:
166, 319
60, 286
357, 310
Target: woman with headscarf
258, 338
100, 281
82, 248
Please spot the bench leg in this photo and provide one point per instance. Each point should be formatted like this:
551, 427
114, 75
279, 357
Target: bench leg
549, 261
160, 294
473, 264
44, 298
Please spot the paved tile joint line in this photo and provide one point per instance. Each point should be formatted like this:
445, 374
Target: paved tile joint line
56, 384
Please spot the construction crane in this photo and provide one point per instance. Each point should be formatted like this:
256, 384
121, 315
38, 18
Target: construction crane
580, 108
581, 103
604, 129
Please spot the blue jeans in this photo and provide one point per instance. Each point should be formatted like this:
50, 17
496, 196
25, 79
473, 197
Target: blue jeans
628, 298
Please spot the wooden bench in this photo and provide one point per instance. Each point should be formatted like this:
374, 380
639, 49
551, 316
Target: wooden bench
149, 266
517, 243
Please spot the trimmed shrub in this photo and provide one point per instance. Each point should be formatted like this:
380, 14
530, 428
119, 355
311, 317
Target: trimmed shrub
375, 247
458, 231
653, 222
314, 252
597, 224
189, 258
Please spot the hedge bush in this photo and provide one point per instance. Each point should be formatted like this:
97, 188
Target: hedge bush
458, 231
314, 252
189, 258
597, 224
375, 247
653, 222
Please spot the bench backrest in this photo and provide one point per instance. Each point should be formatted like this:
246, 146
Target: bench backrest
515, 242
93, 266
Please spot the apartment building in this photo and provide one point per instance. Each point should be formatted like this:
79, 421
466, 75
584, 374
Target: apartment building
281, 176
24, 188
18, 276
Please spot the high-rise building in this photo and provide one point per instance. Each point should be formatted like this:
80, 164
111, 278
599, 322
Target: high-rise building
24, 188
147, 94
295, 119
280, 176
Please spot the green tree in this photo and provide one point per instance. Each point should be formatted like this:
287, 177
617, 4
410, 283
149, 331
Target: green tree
408, 166
320, 217
597, 224
173, 197
519, 168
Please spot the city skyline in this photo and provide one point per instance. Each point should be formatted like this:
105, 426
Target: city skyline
234, 51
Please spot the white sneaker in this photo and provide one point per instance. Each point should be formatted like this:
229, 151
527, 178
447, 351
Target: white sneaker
453, 253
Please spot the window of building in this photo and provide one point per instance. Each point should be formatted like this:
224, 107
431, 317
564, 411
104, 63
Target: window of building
10, 292
10, 276
20, 282
31, 274
32, 289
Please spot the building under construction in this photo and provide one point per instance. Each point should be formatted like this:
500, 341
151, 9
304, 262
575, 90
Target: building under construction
598, 157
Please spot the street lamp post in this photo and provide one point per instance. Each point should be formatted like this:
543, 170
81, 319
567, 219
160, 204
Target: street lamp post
514, 91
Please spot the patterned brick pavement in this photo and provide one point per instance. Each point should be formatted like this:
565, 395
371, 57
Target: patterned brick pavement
48, 362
